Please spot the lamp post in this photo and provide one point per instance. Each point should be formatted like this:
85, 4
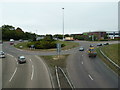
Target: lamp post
63, 23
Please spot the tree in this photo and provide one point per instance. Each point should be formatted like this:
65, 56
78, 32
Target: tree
48, 37
59, 36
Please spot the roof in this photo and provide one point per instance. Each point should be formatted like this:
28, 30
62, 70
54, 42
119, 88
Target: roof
22, 57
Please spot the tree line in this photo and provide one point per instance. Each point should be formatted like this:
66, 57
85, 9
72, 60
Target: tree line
9, 32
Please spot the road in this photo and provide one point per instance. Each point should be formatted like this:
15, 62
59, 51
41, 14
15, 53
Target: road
88, 72
33, 74
83, 71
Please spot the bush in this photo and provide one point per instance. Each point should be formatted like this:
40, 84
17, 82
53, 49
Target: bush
43, 44
103, 40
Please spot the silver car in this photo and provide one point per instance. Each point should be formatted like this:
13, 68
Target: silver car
81, 49
2, 54
21, 59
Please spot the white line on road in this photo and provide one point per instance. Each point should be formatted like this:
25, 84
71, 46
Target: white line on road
90, 77
16, 59
31, 61
82, 55
32, 72
19, 49
13, 74
10, 55
82, 62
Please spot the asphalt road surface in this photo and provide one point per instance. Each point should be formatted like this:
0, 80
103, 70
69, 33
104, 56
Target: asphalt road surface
32, 74
84, 72
88, 72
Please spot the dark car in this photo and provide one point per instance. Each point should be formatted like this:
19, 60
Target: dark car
81, 49
99, 44
21, 59
106, 43
91, 45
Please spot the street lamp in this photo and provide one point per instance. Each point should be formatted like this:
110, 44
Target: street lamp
63, 23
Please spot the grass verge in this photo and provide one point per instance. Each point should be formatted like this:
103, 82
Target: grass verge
60, 61
111, 51
115, 69
68, 44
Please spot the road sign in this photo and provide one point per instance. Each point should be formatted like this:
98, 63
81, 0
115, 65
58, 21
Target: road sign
58, 47
85, 34
113, 33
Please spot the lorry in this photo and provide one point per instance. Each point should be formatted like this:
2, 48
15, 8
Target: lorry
92, 52
69, 39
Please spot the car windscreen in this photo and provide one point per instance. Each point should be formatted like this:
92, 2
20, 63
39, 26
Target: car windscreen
22, 58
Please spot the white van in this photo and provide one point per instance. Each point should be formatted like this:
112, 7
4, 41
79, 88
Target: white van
11, 40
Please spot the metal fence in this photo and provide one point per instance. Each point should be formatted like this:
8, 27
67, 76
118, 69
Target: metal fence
111, 61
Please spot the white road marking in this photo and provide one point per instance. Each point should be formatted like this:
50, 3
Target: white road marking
90, 77
10, 55
82, 62
13, 74
13, 57
82, 55
31, 61
19, 49
32, 72
16, 59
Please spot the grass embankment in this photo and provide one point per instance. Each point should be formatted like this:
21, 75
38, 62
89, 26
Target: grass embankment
60, 61
111, 51
68, 45
55, 60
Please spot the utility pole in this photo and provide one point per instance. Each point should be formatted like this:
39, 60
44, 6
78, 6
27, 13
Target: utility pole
63, 23
92, 37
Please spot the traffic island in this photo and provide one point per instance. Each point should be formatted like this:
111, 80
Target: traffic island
57, 66
66, 45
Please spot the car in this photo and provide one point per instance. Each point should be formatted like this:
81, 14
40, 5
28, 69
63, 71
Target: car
20, 40
11, 41
106, 43
99, 44
21, 59
2, 54
1, 41
91, 45
81, 49
92, 52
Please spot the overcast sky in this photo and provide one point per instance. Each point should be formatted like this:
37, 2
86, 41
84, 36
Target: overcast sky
46, 17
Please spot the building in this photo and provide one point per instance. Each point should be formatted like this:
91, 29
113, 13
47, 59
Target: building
98, 35
113, 34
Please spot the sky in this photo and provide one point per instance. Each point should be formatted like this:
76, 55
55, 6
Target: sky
46, 17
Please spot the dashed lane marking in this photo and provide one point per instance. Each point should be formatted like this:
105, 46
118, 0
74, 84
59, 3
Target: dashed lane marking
90, 77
